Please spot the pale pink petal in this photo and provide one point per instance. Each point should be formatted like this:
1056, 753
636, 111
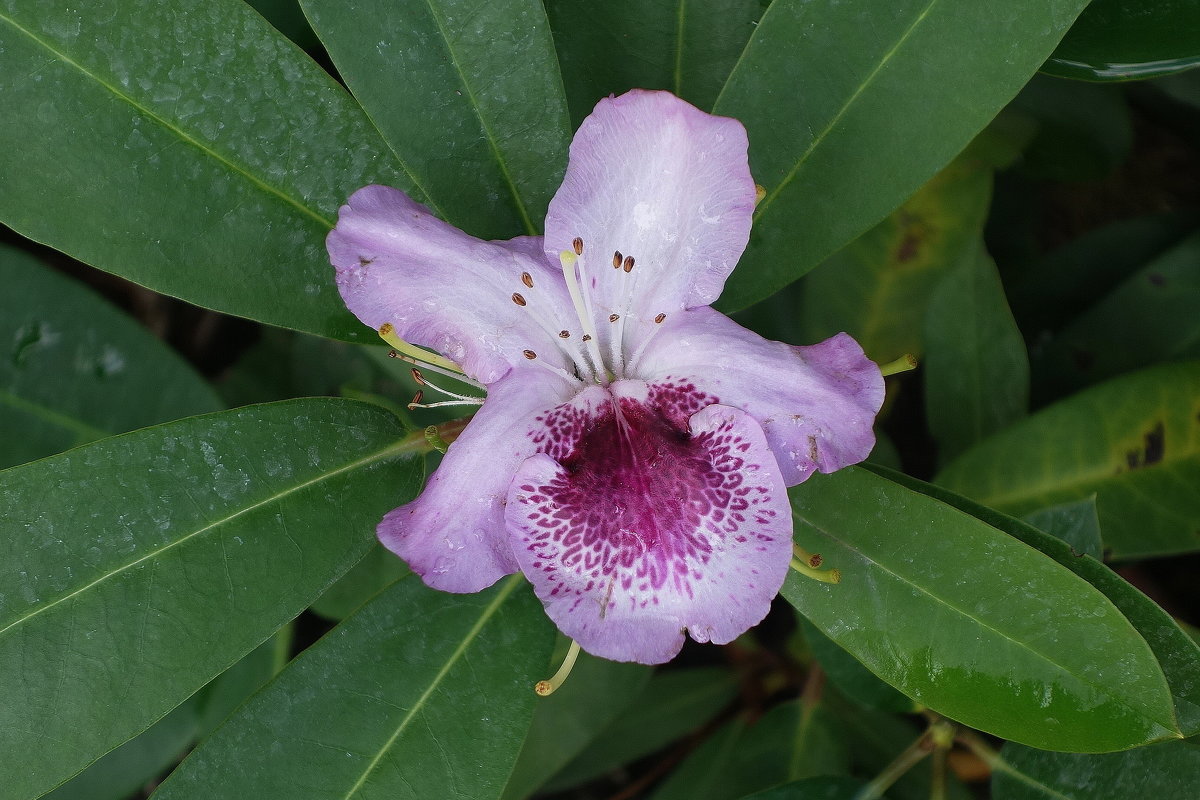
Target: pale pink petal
639, 530
453, 535
658, 180
816, 404
444, 290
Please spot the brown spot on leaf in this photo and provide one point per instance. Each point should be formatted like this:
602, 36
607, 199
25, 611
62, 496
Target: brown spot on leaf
1157, 279
909, 247
1152, 449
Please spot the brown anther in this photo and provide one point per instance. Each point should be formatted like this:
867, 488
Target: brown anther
417, 376
613, 317
564, 334
393, 354
416, 401
617, 260
530, 355
815, 560
628, 265
527, 279
587, 337
518, 299
659, 319
578, 245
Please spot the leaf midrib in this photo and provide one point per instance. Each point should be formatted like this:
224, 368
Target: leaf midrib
174, 129
45, 413
392, 449
458, 653
1120, 698
836, 118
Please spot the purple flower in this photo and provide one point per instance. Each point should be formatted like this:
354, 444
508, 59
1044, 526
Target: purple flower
632, 455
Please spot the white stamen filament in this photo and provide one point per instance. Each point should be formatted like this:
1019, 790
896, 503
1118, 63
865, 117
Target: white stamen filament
458, 376
441, 403
465, 398
568, 260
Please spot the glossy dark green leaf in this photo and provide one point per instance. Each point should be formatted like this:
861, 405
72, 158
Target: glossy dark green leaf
791, 741
227, 691
1027, 651
1072, 278
687, 47
823, 788
673, 704
851, 108
467, 95
1177, 653
145, 564
419, 694
379, 568
1084, 131
1117, 40
1134, 442
126, 770
976, 368
878, 287
1167, 771
188, 147
568, 720
76, 369
849, 675
1075, 523
1149, 317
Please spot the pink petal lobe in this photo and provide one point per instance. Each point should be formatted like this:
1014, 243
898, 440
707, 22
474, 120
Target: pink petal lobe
658, 180
453, 535
442, 289
815, 404
646, 521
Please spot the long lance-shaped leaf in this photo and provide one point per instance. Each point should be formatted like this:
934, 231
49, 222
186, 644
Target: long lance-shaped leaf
851, 107
139, 567
186, 146
467, 93
79, 369
973, 623
418, 695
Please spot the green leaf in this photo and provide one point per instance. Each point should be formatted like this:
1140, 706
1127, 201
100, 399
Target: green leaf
791, 741
849, 675
851, 109
568, 720
1026, 650
467, 95
824, 788
151, 562
878, 287
378, 569
1118, 40
230, 689
1167, 771
124, 771
1150, 317
1084, 130
687, 47
1075, 523
189, 148
1072, 278
1177, 653
673, 704
1134, 442
976, 369
419, 694
79, 369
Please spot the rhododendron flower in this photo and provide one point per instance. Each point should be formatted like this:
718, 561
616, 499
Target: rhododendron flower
633, 452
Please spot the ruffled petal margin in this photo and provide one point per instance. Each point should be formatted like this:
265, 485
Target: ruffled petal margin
453, 535
816, 404
678, 534
444, 290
